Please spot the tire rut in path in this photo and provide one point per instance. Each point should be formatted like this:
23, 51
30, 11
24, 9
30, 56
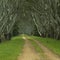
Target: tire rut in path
28, 52
49, 55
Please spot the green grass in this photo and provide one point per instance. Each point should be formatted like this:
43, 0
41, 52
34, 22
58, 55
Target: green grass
37, 48
9, 50
52, 44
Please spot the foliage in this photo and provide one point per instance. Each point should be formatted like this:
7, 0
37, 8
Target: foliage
45, 15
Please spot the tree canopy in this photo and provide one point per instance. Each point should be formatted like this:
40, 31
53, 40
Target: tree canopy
30, 17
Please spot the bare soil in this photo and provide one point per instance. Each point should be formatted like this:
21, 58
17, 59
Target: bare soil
28, 52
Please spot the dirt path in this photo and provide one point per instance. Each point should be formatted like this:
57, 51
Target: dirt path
49, 55
28, 52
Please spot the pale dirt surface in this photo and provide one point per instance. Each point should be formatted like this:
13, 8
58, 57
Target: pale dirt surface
28, 52
49, 55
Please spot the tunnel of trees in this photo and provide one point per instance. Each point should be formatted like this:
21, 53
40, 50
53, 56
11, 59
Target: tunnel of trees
32, 17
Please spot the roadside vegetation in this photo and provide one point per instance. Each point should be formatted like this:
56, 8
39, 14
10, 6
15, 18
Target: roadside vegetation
52, 44
10, 50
